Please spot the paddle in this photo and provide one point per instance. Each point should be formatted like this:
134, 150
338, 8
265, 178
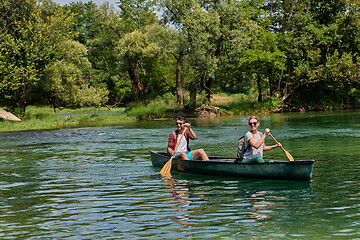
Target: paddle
165, 171
288, 155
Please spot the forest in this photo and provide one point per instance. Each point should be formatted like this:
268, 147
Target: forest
300, 54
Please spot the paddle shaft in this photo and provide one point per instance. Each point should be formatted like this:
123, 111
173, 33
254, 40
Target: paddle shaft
287, 154
276, 142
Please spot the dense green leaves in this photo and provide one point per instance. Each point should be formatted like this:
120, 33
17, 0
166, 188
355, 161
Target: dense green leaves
303, 53
66, 81
26, 49
39, 44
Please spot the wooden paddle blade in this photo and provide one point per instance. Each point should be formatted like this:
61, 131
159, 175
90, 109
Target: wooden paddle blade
288, 155
165, 171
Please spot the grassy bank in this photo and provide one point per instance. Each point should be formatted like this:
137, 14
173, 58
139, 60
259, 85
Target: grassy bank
240, 104
37, 118
44, 117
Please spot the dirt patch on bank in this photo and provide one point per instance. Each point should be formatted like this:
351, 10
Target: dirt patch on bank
220, 100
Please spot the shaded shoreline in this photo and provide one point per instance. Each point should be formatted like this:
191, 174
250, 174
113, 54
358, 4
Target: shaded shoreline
47, 120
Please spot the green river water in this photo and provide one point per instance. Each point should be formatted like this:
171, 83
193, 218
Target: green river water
98, 183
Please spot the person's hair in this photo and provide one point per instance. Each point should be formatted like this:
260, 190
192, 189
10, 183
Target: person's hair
181, 118
254, 117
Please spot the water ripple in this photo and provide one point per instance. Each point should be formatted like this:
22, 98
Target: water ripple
98, 183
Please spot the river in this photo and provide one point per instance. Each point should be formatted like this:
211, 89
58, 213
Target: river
98, 183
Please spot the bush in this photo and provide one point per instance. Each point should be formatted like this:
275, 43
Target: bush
153, 110
270, 104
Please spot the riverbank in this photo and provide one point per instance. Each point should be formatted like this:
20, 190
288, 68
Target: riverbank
38, 118
44, 117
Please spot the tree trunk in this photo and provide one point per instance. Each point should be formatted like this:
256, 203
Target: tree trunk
23, 97
192, 104
258, 83
208, 85
137, 87
274, 87
179, 89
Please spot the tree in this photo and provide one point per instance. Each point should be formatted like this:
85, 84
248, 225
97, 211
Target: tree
134, 48
135, 14
135, 45
311, 35
173, 12
265, 63
26, 48
100, 28
193, 25
66, 81
87, 20
216, 33
29, 49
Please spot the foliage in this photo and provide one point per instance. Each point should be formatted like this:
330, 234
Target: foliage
65, 80
153, 110
26, 49
44, 118
302, 54
141, 55
87, 21
36, 46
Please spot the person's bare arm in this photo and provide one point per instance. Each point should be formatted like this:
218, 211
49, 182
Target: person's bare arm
257, 144
267, 148
172, 152
192, 134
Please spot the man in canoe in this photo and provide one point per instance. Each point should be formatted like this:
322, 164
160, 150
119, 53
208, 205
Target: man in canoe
182, 150
255, 142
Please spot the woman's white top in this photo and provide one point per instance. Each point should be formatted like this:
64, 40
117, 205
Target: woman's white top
253, 152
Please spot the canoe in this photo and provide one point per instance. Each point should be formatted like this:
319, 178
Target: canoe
223, 166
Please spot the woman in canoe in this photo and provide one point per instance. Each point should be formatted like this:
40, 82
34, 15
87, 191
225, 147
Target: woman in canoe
183, 151
255, 142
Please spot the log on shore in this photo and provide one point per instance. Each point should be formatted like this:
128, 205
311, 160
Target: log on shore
8, 116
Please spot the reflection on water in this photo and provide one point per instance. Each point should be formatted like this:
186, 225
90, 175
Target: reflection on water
180, 198
98, 183
231, 207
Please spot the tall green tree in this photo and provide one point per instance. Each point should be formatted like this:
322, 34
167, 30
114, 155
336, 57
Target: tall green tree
239, 30
135, 46
87, 20
29, 48
100, 28
313, 37
67, 81
104, 57
173, 11
26, 49
264, 63
194, 26
135, 14
135, 50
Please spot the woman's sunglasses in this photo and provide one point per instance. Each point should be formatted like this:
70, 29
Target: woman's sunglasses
252, 123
